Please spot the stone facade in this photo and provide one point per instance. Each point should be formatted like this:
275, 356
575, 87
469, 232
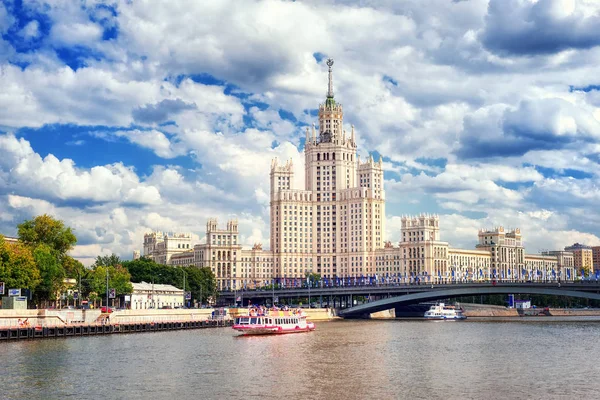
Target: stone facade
583, 257
160, 246
148, 295
596, 257
334, 226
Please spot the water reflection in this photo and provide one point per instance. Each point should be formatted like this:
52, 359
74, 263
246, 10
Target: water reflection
541, 358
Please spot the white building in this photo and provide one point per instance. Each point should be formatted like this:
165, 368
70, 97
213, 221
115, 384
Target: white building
148, 295
335, 224
160, 246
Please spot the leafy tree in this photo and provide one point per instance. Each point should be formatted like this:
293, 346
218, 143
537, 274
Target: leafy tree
202, 283
73, 268
17, 266
108, 261
143, 270
118, 279
44, 229
51, 272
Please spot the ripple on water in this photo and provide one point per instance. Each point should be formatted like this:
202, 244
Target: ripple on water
534, 359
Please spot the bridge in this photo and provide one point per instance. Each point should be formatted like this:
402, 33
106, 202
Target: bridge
385, 297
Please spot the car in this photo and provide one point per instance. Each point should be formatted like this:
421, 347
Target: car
108, 310
166, 308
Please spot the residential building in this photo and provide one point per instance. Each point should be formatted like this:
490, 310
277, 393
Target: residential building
507, 250
334, 226
583, 257
596, 257
160, 246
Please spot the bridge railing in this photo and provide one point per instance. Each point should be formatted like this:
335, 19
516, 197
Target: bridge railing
404, 282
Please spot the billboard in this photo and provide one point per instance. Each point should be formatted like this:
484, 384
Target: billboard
112, 293
188, 295
14, 292
1, 288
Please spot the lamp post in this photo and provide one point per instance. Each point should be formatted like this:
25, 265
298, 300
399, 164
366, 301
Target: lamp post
309, 281
107, 289
184, 274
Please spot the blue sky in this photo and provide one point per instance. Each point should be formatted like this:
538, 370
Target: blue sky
125, 117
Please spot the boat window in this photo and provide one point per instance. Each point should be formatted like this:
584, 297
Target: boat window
253, 320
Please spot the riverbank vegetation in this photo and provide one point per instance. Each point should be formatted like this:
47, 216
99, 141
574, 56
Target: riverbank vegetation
39, 264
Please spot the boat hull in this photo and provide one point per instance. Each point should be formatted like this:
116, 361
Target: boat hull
276, 330
445, 318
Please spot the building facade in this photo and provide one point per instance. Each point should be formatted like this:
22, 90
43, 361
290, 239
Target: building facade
149, 295
160, 246
596, 257
583, 257
334, 226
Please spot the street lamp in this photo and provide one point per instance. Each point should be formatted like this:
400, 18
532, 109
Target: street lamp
184, 275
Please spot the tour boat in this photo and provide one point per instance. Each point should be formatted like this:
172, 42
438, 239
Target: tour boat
273, 323
442, 311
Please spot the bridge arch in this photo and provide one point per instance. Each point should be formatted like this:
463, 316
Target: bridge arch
414, 298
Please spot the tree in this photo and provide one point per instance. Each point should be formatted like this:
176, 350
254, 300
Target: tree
143, 270
118, 278
202, 283
44, 229
108, 261
51, 272
17, 266
73, 268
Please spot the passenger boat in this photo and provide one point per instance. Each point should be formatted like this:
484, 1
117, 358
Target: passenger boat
273, 322
444, 312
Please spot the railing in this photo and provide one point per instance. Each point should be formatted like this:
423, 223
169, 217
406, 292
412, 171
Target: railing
408, 282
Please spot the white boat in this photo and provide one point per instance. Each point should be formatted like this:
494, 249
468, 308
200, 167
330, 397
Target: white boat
444, 312
273, 323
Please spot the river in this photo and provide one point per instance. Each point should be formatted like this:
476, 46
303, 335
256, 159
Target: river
527, 358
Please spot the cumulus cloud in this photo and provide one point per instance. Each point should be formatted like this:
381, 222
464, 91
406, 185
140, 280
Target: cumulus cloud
483, 111
524, 27
160, 112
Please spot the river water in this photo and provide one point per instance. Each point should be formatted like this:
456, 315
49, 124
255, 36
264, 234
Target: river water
536, 358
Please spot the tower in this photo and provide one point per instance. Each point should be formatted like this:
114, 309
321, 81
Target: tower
333, 226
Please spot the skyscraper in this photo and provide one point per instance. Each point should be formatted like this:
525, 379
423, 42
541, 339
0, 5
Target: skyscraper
335, 223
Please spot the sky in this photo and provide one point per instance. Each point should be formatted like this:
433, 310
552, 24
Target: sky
125, 117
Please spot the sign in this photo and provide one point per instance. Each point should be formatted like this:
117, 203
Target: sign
127, 297
1, 288
112, 293
188, 295
14, 292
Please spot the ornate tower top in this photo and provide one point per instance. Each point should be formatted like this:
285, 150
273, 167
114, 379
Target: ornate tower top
330, 86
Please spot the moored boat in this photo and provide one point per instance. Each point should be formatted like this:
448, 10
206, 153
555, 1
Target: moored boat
273, 322
443, 312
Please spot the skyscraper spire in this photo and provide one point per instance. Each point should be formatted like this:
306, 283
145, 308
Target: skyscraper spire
330, 85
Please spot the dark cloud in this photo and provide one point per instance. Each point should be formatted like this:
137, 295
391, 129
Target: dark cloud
544, 124
517, 27
160, 112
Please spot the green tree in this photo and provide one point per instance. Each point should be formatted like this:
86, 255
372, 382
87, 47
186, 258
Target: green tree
73, 268
108, 261
143, 270
51, 272
17, 266
119, 279
45, 229
202, 283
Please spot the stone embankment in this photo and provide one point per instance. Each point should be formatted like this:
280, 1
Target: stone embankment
574, 312
484, 310
11, 318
